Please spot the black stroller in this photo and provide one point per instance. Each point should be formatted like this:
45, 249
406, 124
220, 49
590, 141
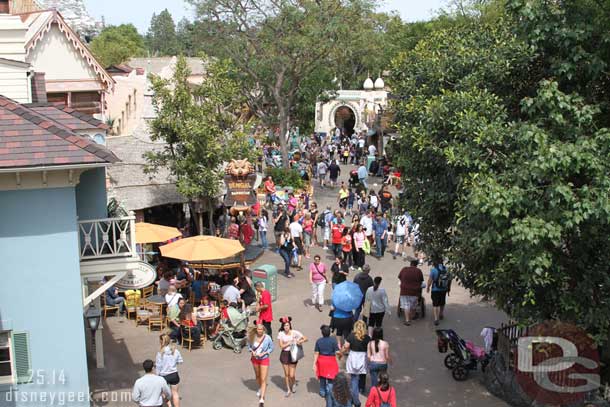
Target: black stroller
353, 179
464, 356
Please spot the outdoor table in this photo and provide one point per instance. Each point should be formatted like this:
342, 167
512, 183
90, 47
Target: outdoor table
206, 317
156, 299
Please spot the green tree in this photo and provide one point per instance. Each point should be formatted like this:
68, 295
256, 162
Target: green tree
161, 37
201, 126
277, 46
116, 44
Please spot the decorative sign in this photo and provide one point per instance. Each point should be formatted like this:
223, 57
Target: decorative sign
239, 180
141, 276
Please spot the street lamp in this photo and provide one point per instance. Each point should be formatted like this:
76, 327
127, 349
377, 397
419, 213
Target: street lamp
93, 316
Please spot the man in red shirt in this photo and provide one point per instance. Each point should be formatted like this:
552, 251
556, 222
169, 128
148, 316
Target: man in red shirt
264, 308
269, 190
411, 279
336, 232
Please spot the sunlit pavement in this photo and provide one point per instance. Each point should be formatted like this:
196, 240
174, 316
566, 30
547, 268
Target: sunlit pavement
222, 378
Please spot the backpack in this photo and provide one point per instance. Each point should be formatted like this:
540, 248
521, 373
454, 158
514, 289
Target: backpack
383, 403
322, 219
443, 280
281, 224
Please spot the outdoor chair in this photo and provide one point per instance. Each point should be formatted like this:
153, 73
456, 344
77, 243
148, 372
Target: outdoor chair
142, 311
156, 316
131, 303
148, 291
187, 339
106, 308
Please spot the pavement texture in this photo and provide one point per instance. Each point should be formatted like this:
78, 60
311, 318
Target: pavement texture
222, 378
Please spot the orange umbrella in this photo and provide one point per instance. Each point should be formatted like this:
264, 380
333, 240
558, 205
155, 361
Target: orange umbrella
202, 248
151, 233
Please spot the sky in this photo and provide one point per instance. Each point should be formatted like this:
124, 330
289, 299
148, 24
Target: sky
138, 12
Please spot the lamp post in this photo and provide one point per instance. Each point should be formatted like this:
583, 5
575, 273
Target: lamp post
93, 317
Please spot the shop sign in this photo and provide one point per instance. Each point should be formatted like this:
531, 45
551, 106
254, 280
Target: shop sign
140, 276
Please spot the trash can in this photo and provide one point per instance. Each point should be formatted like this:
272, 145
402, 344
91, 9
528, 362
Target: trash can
369, 160
267, 274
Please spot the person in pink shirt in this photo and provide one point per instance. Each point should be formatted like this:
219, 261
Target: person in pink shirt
318, 280
358, 238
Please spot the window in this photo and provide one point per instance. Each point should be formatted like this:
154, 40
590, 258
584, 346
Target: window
6, 359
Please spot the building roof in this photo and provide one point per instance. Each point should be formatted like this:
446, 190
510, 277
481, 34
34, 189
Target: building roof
40, 22
68, 117
157, 65
31, 139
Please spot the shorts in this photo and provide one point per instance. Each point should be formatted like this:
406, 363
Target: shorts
376, 319
333, 179
322, 176
172, 379
307, 238
408, 302
342, 326
260, 362
277, 234
400, 239
299, 242
326, 233
438, 298
286, 358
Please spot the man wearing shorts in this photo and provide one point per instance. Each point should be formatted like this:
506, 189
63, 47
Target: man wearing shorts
322, 168
411, 279
440, 284
400, 236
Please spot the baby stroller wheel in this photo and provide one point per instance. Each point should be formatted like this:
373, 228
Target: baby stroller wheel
237, 349
451, 361
460, 373
217, 345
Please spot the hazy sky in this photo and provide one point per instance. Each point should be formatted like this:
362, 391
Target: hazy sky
138, 12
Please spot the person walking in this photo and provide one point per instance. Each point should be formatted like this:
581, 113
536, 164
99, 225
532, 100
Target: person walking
346, 246
296, 231
260, 346
322, 168
364, 281
343, 195
400, 236
339, 271
166, 364
378, 301
263, 225
288, 337
363, 173
358, 238
308, 230
356, 346
334, 171
287, 245
269, 191
440, 283
380, 226
367, 225
341, 395
150, 390
264, 307
337, 235
280, 222
411, 279
318, 280
382, 395
378, 353
325, 362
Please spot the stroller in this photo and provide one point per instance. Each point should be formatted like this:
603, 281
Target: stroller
420, 311
464, 356
353, 179
232, 332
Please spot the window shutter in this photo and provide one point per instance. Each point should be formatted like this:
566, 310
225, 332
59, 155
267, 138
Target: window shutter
23, 360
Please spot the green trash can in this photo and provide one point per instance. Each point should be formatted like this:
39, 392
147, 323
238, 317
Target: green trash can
267, 274
369, 161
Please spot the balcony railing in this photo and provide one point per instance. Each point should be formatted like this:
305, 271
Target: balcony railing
107, 238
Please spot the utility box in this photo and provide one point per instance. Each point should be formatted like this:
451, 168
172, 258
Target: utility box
267, 274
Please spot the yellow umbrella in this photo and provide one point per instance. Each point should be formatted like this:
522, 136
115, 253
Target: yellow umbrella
201, 248
151, 233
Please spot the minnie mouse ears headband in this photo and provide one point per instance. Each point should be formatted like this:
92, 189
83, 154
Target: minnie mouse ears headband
283, 320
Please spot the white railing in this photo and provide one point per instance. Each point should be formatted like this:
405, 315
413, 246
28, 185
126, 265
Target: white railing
107, 238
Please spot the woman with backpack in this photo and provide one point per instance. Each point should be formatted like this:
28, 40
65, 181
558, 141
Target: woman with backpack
287, 245
382, 395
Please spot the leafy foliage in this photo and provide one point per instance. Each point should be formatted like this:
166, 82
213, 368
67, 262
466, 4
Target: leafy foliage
286, 177
116, 44
505, 152
161, 36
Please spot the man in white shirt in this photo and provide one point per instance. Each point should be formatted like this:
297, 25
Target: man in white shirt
230, 293
150, 390
402, 225
367, 223
296, 231
372, 150
322, 168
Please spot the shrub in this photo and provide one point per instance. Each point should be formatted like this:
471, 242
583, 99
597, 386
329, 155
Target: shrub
286, 177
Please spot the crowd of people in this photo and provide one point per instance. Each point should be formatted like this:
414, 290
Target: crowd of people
365, 223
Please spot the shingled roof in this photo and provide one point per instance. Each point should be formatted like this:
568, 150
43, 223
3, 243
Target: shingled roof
31, 139
72, 119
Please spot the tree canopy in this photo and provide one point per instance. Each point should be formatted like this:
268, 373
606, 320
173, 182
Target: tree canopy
161, 37
504, 150
116, 44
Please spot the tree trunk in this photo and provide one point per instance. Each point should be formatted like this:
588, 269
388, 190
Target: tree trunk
200, 222
211, 216
283, 119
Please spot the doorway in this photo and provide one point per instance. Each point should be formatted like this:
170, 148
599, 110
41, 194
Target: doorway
345, 119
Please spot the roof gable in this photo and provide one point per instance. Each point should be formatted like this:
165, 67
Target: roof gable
39, 24
31, 139
68, 117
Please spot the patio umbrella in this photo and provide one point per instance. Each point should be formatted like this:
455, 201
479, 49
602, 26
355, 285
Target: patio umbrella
347, 296
249, 255
202, 248
151, 233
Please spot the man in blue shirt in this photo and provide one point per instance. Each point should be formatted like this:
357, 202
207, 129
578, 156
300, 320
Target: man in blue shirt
439, 282
113, 299
363, 173
380, 227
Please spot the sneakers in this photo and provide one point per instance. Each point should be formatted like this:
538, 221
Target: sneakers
436, 322
325, 248
258, 393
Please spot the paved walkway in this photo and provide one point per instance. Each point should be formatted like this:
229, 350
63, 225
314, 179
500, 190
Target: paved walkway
222, 378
